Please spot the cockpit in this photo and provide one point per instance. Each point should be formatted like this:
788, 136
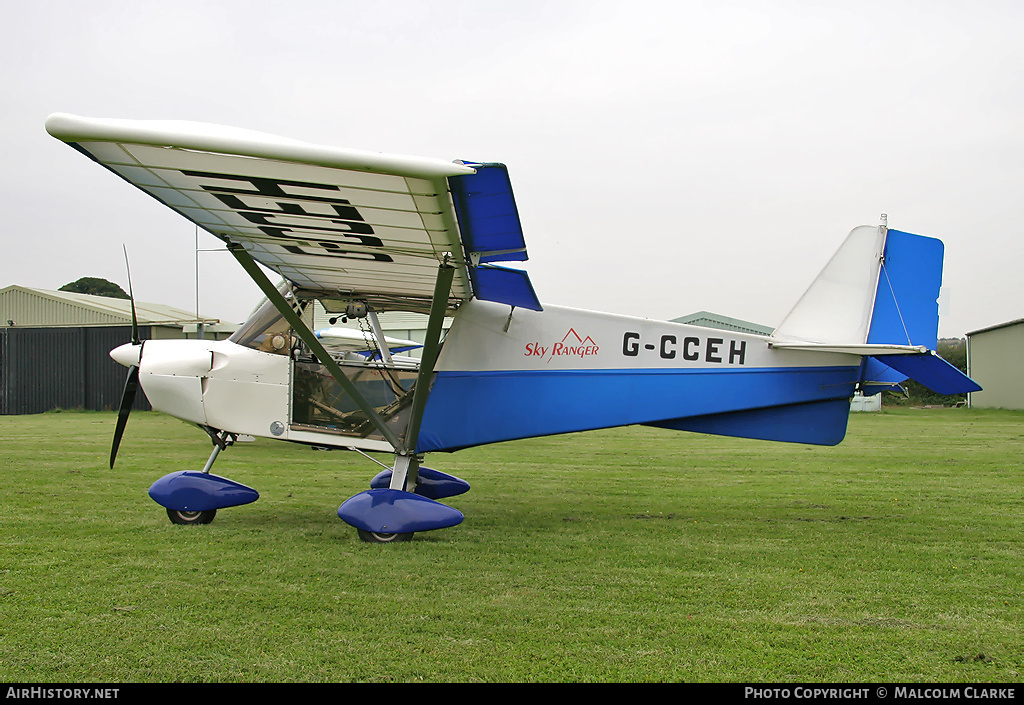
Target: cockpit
354, 339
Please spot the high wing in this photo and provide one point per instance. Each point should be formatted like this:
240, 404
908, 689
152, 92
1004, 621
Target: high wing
344, 223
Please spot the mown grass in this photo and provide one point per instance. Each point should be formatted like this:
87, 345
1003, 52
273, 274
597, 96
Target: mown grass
624, 555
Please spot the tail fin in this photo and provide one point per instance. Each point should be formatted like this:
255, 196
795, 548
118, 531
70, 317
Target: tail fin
836, 308
878, 297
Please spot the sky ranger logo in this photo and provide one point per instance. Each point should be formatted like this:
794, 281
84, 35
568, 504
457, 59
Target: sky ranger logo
571, 345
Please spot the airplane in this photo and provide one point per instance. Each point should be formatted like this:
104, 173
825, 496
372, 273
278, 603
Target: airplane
366, 233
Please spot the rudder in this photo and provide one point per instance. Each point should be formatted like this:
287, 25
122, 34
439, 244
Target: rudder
906, 309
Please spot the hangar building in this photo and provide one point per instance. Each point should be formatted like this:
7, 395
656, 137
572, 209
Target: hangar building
55, 345
993, 361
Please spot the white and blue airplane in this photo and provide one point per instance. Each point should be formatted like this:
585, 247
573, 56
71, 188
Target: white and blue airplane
366, 233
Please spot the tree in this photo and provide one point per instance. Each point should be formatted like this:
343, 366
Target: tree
96, 287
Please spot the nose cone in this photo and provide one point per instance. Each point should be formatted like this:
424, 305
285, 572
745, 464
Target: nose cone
127, 354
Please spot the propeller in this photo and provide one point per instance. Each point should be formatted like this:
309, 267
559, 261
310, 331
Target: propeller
131, 384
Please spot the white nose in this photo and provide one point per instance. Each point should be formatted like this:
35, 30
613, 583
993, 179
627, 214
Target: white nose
127, 354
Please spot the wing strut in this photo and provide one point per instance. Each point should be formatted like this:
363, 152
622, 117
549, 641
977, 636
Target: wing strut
310, 339
438, 307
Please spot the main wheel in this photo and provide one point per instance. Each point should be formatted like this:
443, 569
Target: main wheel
374, 537
181, 516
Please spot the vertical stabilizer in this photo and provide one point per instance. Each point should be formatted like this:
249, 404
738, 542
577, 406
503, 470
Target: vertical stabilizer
837, 307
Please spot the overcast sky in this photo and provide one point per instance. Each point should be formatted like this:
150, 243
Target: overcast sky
667, 157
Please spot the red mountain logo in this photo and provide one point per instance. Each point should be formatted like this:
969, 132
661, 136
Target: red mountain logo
576, 336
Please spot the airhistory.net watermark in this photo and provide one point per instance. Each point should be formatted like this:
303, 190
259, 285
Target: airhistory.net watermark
54, 693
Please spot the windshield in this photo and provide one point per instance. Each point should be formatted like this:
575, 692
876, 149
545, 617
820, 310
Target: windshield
266, 330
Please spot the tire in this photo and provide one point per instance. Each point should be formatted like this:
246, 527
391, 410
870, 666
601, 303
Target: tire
374, 537
183, 517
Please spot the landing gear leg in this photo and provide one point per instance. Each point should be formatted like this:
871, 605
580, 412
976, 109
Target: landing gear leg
405, 474
221, 440
194, 497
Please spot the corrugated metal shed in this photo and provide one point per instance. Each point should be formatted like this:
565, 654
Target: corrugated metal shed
28, 307
993, 361
63, 368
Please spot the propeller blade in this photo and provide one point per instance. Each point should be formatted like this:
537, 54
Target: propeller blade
131, 385
131, 298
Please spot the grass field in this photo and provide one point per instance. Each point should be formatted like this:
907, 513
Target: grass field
626, 555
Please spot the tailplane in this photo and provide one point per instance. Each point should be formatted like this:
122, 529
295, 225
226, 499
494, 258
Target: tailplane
878, 298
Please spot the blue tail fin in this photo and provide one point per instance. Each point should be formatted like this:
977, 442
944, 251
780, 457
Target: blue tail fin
878, 298
906, 312
906, 309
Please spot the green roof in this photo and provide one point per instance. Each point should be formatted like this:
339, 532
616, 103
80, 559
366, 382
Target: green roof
27, 306
714, 320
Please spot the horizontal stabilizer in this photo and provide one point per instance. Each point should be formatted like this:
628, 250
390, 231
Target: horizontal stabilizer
932, 371
853, 348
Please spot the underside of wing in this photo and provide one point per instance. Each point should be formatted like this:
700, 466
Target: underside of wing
344, 223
